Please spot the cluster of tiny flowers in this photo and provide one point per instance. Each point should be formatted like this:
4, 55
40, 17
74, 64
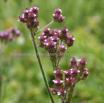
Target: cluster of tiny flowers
56, 41
30, 18
57, 17
9, 34
68, 78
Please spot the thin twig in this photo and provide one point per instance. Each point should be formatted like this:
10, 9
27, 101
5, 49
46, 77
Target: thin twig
70, 93
45, 27
41, 67
0, 83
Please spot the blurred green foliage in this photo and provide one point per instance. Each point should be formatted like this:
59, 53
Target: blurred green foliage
22, 79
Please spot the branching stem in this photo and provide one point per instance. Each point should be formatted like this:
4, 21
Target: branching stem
41, 67
0, 83
45, 27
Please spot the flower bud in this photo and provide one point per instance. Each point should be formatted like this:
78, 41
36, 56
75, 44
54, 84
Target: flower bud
62, 48
11, 37
9, 34
58, 11
35, 10
61, 19
55, 32
70, 81
36, 24
58, 83
70, 41
6, 33
55, 38
46, 31
28, 24
22, 18
2, 34
64, 30
49, 39
85, 73
57, 17
26, 13
67, 73
61, 91
73, 81
17, 33
67, 36
41, 44
42, 38
58, 73
75, 72
50, 46
13, 30
32, 16
63, 33
82, 63
73, 63
52, 90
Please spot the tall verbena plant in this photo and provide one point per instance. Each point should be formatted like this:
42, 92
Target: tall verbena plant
6, 36
55, 42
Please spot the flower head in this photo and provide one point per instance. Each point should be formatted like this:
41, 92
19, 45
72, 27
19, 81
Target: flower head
9, 34
53, 91
61, 91
73, 62
30, 18
82, 63
59, 73
57, 17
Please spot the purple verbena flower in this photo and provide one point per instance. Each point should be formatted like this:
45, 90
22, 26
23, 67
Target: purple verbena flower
53, 91
57, 17
59, 73
73, 62
30, 18
9, 34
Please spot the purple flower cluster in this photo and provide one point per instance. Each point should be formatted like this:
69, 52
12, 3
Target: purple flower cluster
56, 41
9, 34
30, 18
57, 17
68, 78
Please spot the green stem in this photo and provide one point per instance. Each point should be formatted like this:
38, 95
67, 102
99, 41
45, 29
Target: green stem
45, 27
70, 93
41, 67
2, 49
0, 83
58, 61
55, 61
54, 64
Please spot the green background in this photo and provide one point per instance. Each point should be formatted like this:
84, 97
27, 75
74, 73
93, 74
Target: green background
22, 79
